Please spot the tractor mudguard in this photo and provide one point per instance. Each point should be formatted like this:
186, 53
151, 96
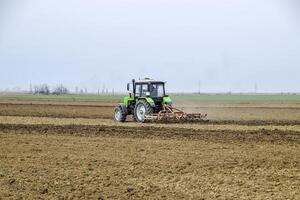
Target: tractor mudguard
127, 99
167, 100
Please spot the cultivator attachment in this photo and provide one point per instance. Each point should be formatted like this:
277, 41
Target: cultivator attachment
171, 114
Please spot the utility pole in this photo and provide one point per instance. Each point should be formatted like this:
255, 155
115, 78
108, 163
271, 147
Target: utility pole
30, 88
199, 87
103, 89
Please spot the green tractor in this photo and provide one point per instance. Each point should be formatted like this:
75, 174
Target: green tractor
148, 102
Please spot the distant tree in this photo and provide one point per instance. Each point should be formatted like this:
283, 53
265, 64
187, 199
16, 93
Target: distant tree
60, 90
42, 89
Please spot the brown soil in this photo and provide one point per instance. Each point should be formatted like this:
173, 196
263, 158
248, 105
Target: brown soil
42, 157
54, 110
252, 113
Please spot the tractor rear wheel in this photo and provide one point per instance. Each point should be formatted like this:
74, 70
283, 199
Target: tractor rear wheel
120, 113
141, 109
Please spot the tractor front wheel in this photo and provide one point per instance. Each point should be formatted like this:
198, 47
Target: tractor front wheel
141, 109
120, 113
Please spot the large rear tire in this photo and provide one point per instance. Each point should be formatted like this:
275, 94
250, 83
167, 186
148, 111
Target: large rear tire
120, 113
141, 109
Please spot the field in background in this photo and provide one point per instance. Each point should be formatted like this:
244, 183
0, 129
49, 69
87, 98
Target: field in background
68, 147
259, 108
188, 97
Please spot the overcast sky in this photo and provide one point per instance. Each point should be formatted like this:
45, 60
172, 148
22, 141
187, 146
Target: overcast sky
228, 45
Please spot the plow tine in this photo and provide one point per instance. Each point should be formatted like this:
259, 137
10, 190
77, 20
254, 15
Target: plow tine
170, 114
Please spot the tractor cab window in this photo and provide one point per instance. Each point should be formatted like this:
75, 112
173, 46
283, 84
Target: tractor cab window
157, 90
144, 90
141, 90
138, 90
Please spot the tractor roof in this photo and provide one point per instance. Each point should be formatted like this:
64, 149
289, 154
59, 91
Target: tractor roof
148, 81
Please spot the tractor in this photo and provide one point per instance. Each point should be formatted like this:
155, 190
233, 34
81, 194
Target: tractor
148, 102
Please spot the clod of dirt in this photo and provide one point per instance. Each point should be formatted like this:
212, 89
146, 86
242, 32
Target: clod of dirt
141, 150
100, 197
44, 190
137, 163
65, 158
12, 181
130, 190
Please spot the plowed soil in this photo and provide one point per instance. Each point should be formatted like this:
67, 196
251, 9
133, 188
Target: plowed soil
75, 151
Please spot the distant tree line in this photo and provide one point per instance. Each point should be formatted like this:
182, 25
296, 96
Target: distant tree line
45, 89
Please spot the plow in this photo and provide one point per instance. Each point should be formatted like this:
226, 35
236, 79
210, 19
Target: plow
148, 102
170, 114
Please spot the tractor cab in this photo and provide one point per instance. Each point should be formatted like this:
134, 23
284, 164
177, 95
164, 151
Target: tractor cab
151, 91
148, 88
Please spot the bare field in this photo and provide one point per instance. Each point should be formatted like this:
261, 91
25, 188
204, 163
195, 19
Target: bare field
75, 151
261, 112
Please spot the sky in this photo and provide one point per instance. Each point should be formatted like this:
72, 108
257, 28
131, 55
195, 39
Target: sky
214, 45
